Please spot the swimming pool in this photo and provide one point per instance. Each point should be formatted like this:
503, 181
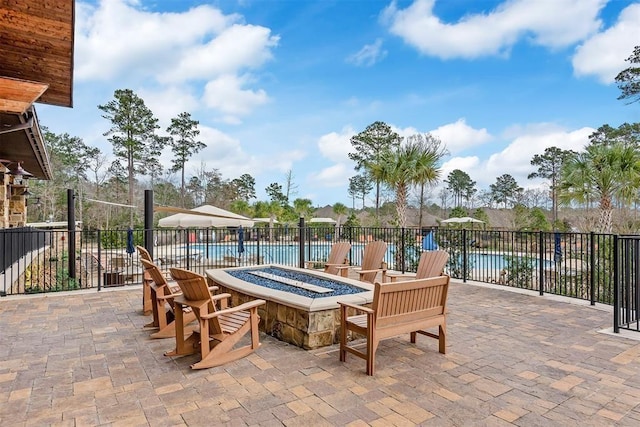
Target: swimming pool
284, 253
489, 261
288, 254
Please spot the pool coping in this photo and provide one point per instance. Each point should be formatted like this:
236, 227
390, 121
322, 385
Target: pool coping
220, 276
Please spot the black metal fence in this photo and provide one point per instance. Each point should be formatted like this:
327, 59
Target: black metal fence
627, 294
578, 265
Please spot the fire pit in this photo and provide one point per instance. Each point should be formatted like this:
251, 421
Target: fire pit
302, 305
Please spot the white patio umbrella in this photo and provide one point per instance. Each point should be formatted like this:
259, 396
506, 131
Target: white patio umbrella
205, 216
461, 220
322, 220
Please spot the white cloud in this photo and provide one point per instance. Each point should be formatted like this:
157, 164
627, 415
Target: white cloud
459, 136
117, 37
466, 164
226, 94
118, 40
368, 55
553, 24
167, 103
337, 146
515, 159
332, 176
236, 48
604, 54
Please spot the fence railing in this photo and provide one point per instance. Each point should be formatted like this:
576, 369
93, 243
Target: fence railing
627, 280
578, 265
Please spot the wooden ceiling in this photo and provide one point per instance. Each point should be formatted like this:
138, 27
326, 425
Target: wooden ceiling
36, 65
36, 44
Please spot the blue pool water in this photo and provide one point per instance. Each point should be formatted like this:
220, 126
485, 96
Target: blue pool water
288, 254
337, 287
497, 261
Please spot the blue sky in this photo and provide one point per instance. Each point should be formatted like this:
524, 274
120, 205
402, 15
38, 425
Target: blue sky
283, 85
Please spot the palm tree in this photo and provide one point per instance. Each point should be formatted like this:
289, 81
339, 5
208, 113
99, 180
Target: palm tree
413, 162
340, 210
604, 172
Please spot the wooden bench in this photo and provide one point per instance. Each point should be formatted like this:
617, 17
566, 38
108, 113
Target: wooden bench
398, 308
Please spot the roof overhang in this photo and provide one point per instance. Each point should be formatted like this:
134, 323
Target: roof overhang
21, 141
36, 47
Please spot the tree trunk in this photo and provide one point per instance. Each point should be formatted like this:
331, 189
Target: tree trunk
401, 205
377, 199
606, 213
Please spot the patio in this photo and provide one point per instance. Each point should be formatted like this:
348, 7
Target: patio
82, 358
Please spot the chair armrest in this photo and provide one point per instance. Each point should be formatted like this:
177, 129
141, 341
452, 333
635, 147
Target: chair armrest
225, 300
177, 294
371, 271
242, 307
344, 266
337, 265
394, 276
357, 307
213, 288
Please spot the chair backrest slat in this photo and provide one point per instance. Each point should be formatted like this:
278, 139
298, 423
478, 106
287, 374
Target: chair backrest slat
194, 288
409, 301
337, 255
372, 258
432, 263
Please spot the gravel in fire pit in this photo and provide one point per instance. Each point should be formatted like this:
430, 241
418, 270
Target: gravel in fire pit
338, 287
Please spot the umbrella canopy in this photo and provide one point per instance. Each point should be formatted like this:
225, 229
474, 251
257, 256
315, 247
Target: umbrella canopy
267, 220
209, 216
323, 220
460, 220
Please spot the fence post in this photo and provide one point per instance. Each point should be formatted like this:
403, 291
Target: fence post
616, 287
541, 262
464, 255
402, 255
301, 242
99, 260
148, 221
71, 225
592, 268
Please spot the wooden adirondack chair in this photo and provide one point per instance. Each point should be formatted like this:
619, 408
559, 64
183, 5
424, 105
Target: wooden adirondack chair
398, 308
219, 330
336, 259
147, 304
432, 263
162, 294
372, 259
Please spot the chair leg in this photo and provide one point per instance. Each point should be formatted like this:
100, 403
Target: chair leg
371, 351
442, 338
169, 331
183, 346
343, 334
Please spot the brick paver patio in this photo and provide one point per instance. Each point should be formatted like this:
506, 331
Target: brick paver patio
83, 359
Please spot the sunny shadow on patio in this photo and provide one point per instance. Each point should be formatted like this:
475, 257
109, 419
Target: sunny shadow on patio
512, 359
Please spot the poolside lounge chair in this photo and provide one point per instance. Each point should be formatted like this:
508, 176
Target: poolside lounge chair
432, 263
398, 308
162, 294
219, 330
372, 258
337, 257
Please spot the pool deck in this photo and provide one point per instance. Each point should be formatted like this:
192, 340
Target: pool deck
82, 358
